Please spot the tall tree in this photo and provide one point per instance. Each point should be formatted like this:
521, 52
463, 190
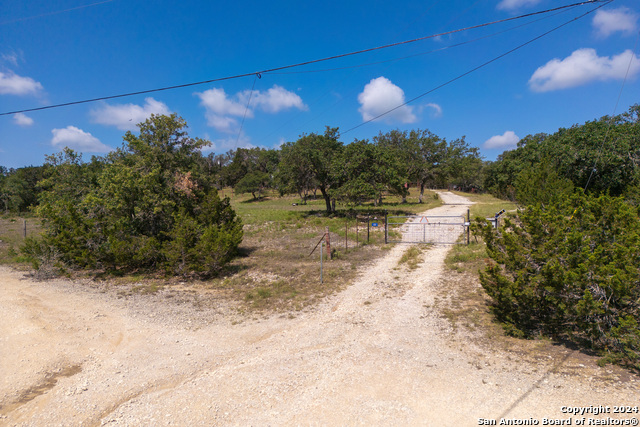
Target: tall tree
19, 188
364, 171
601, 156
420, 153
463, 165
316, 154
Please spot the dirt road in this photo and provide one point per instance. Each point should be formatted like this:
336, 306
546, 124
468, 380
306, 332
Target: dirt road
378, 353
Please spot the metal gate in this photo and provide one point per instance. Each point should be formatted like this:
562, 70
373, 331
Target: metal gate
426, 229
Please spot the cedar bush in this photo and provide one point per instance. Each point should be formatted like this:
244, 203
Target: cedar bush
151, 207
570, 270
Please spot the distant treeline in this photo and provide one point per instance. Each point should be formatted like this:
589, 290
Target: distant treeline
316, 163
602, 156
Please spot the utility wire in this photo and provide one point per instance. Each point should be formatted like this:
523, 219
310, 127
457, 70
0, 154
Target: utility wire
244, 116
451, 46
54, 13
314, 61
411, 56
475, 69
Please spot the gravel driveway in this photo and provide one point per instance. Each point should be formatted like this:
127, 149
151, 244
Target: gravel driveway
378, 353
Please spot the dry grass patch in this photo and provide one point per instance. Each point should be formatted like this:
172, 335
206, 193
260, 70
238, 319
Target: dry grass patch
412, 257
12, 237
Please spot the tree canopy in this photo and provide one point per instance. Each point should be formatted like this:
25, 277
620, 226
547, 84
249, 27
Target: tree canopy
151, 206
600, 156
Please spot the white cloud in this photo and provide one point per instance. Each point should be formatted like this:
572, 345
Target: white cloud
22, 120
581, 67
222, 123
12, 58
380, 96
216, 101
274, 100
607, 22
127, 116
230, 143
13, 84
77, 139
516, 4
437, 110
507, 140
222, 108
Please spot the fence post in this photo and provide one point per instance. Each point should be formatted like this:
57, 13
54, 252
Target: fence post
386, 228
346, 233
328, 240
24, 230
321, 250
468, 226
368, 224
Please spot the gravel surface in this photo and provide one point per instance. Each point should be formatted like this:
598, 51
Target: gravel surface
378, 353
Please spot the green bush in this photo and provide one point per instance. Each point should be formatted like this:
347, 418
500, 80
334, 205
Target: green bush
150, 207
570, 270
43, 258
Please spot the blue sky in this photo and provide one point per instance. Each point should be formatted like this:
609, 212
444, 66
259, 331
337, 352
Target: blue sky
62, 51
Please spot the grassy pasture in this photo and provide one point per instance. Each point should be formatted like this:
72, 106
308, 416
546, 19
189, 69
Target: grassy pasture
12, 237
277, 271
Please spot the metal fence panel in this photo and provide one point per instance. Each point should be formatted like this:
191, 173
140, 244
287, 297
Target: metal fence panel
425, 229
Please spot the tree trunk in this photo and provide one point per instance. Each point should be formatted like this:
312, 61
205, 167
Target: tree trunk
327, 199
421, 192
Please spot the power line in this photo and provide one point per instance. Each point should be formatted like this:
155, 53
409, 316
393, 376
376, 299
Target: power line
475, 69
257, 76
55, 12
408, 57
300, 64
440, 49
